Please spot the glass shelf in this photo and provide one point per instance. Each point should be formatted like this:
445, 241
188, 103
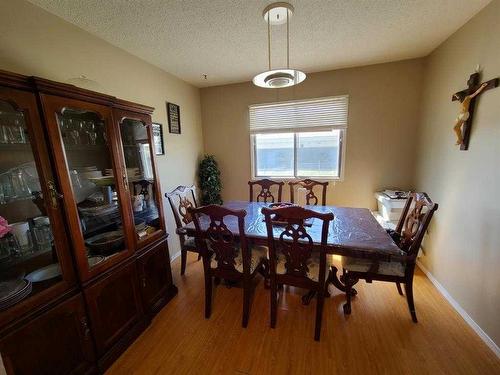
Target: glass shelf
15, 200
14, 261
15, 147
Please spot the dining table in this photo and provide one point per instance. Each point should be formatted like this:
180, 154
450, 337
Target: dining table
354, 232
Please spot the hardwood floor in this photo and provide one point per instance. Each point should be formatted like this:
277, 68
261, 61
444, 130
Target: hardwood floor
378, 338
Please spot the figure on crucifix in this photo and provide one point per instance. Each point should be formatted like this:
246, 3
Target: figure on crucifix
467, 99
464, 114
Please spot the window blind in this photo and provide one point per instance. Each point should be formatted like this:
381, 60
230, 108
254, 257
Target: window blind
301, 114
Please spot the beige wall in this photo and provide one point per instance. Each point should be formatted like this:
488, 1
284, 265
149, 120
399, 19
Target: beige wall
463, 249
383, 108
34, 42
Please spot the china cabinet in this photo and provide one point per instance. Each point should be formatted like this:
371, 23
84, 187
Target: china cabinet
83, 245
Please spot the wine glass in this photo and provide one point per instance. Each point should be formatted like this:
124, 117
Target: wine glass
18, 132
74, 132
82, 131
91, 133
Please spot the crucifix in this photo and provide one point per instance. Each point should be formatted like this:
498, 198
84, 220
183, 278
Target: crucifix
467, 99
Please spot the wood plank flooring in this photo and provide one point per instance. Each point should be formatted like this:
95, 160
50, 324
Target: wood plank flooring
378, 338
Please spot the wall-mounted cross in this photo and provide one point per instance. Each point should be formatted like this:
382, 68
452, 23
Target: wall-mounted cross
467, 99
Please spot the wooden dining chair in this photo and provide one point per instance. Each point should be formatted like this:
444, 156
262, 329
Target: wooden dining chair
180, 199
293, 258
310, 186
226, 255
266, 193
414, 221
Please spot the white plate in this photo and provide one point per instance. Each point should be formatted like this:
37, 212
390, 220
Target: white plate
44, 273
95, 260
91, 174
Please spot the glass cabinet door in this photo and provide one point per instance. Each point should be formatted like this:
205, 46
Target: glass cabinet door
141, 177
34, 257
84, 146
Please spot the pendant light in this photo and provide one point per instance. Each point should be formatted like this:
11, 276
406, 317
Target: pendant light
278, 14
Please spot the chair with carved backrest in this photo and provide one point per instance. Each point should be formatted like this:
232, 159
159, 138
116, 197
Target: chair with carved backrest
293, 257
265, 190
309, 185
180, 199
220, 236
414, 221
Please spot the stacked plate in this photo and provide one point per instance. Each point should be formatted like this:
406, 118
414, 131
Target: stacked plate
131, 172
89, 172
105, 209
13, 291
45, 273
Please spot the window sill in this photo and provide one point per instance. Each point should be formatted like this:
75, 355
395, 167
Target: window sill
279, 178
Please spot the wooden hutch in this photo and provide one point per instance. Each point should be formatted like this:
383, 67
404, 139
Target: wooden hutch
85, 264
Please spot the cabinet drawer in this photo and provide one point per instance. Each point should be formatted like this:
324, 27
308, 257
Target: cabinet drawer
114, 307
56, 342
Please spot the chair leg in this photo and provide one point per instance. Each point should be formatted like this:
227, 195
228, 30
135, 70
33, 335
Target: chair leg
409, 298
264, 271
319, 313
246, 302
400, 291
183, 261
348, 293
274, 302
208, 292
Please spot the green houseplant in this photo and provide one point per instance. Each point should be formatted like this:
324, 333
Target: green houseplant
210, 183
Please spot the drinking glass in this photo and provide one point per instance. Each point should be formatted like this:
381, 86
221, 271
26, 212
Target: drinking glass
4, 249
43, 237
20, 187
4, 138
22, 235
6, 184
2, 194
18, 132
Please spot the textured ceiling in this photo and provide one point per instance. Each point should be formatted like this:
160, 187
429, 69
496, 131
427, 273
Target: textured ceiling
227, 39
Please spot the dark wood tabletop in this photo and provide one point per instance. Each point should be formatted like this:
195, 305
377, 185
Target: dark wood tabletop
353, 232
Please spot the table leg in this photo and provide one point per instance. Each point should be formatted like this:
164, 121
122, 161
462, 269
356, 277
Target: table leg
333, 279
338, 283
306, 298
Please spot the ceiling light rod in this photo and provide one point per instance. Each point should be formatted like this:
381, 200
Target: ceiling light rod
277, 14
269, 40
287, 41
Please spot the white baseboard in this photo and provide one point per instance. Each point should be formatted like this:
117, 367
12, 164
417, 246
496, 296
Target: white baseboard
175, 256
487, 340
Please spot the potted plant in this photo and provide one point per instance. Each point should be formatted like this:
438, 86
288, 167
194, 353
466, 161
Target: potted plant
210, 183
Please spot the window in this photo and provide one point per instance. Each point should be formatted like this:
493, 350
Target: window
299, 138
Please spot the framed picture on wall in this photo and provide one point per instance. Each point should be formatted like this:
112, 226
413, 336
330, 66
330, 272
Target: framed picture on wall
158, 138
174, 118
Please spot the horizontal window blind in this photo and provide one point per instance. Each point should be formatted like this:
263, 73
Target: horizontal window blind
315, 113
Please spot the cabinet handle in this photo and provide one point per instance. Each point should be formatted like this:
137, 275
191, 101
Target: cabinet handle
143, 282
54, 194
85, 326
125, 181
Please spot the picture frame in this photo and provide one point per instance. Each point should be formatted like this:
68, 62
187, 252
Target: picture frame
174, 118
158, 145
